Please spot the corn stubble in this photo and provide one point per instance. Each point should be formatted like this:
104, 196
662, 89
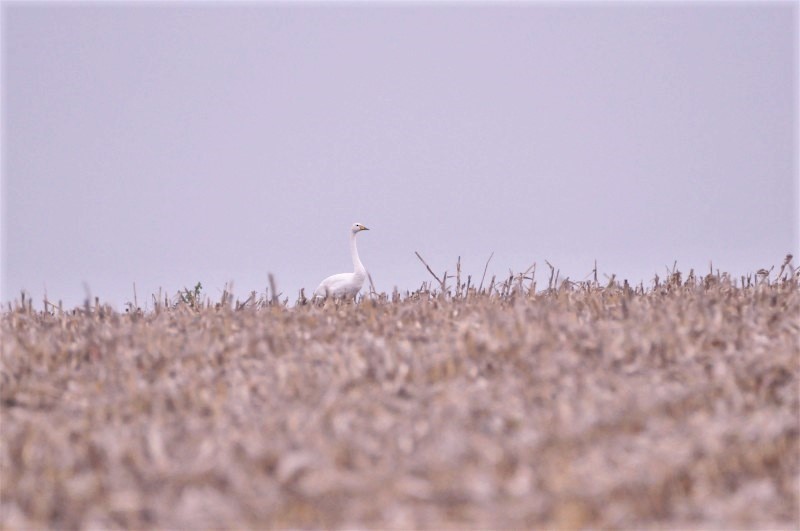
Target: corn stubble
578, 405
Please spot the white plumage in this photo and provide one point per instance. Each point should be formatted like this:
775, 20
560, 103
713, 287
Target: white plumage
345, 285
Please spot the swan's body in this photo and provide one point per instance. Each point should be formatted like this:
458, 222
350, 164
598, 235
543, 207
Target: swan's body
345, 285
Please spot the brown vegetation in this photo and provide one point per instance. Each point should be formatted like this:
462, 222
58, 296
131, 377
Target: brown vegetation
582, 405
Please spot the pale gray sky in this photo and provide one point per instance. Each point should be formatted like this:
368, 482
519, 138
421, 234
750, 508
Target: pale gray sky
168, 143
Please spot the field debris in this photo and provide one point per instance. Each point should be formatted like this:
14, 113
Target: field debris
579, 404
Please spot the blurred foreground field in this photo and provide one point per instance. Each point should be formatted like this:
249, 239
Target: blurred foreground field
582, 406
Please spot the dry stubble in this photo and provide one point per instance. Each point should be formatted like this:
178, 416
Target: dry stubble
584, 406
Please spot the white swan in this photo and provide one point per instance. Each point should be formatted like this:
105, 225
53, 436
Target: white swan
345, 285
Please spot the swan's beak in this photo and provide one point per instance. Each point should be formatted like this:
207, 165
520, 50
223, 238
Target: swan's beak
364, 228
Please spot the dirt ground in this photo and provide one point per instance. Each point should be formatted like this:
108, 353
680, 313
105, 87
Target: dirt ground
672, 407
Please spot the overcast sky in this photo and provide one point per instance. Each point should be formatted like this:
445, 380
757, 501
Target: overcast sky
170, 143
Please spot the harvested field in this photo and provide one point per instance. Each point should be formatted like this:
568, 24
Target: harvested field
582, 406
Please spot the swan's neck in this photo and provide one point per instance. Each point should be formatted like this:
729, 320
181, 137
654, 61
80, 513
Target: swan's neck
357, 265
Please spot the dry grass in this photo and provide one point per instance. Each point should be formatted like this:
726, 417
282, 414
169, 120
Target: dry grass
586, 405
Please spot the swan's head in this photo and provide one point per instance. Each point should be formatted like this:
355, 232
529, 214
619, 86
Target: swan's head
358, 227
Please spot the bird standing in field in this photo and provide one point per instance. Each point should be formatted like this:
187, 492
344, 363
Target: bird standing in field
345, 285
